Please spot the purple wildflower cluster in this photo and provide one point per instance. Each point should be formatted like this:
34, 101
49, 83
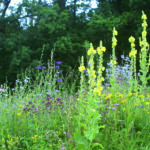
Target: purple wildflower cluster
59, 80
57, 68
46, 104
58, 62
39, 67
52, 100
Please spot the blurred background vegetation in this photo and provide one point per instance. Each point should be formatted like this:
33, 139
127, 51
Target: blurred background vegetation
67, 27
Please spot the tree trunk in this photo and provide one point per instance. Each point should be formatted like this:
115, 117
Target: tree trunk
6, 4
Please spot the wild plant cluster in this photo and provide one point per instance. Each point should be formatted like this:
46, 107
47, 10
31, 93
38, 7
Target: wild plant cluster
106, 113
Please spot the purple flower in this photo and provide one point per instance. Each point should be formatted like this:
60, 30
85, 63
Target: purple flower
58, 62
85, 70
59, 80
2, 90
48, 95
113, 108
63, 148
58, 99
43, 67
48, 104
57, 67
38, 67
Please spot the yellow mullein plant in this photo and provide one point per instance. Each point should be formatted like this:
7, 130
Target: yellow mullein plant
113, 61
91, 71
132, 55
81, 69
144, 65
100, 79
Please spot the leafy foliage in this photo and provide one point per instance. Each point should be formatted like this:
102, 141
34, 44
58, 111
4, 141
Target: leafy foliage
65, 27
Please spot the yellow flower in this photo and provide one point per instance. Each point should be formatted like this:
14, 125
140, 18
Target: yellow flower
109, 96
20, 106
101, 50
98, 90
132, 45
91, 51
133, 53
113, 62
131, 39
144, 24
144, 17
120, 95
114, 39
130, 94
103, 68
141, 96
18, 114
123, 101
102, 79
144, 33
114, 44
147, 103
81, 68
115, 32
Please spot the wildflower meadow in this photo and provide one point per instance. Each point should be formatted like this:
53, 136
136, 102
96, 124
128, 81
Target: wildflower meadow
99, 108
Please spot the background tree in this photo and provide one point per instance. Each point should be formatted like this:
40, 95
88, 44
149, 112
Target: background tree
65, 26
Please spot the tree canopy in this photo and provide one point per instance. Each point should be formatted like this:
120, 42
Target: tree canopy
65, 26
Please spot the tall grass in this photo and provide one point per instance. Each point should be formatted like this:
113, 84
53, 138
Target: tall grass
45, 112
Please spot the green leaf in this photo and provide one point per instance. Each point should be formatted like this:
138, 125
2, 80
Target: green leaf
81, 142
97, 145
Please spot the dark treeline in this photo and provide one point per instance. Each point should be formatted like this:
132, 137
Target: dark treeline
66, 27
